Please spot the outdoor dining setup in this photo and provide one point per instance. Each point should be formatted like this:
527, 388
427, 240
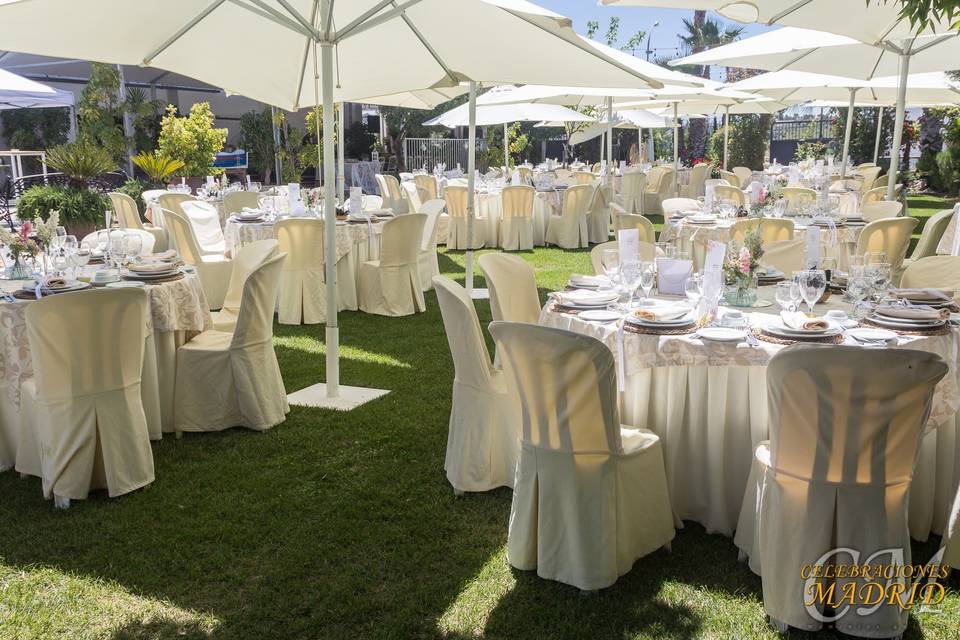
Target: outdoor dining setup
739, 358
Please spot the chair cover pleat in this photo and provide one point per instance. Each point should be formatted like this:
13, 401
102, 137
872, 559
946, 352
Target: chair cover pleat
516, 225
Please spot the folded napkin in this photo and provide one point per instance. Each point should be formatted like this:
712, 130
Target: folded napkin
661, 314
799, 320
588, 281
585, 297
56, 283
924, 295
912, 313
250, 211
150, 267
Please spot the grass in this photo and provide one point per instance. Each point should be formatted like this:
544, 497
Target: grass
921, 207
342, 525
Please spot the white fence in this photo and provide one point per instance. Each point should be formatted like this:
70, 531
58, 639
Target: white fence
418, 152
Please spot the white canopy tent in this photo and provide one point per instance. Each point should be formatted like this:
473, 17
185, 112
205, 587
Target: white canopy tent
17, 92
638, 119
411, 44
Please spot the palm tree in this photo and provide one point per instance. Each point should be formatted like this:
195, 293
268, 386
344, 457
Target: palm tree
704, 33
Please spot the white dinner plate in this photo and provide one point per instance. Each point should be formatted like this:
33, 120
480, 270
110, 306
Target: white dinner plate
72, 285
782, 331
899, 323
868, 334
599, 315
721, 334
125, 284
159, 275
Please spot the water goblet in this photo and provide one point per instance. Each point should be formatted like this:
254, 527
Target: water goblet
788, 294
648, 277
610, 260
630, 277
693, 288
133, 245
812, 282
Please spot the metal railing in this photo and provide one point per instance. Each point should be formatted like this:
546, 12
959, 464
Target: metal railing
418, 152
11, 162
813, 129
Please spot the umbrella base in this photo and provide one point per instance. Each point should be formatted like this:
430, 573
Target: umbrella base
348, 398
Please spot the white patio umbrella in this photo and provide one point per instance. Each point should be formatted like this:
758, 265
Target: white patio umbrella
382, 47
638, 119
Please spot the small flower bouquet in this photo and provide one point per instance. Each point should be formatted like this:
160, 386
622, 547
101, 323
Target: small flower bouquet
20, 245
740, 269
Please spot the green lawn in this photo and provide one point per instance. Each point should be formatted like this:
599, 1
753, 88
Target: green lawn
343, 526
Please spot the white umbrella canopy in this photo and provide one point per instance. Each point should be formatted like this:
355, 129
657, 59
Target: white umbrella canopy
931, 88
504, 113
422, 99
17, 92
622, 119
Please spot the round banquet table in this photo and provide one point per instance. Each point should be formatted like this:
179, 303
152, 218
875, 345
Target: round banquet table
708, 403
356, 243
178, 312
489, 211
691, 239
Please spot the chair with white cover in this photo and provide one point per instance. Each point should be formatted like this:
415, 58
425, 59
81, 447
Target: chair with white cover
671, 206
731, 177
171, 202
516, 224
590, 496
647, 251
391, 285
744, 175
513, 288
569, 229
391, 193
583, 177
868, 177
771, 229
205, 221
483, 440
235, 201
245, 261
83, 421
698, 178
428, 185
456, 199
229, 380
845, 425
151, 196
890, 236
881, 210
715, 182
526, 174
658, 191
128, 216
427, 260
934, 272
878, 194
302, 296
412, 193
631, 221
883, 181
930, 236
598, 213
633, 184
729, 192
213, 269
798, 197
368, 201
787, 256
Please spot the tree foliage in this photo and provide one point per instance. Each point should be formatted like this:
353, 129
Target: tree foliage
192, 139
80, 161
864, 134
256, 137
35, 129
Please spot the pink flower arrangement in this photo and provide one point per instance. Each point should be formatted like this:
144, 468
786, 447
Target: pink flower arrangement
25, 230
746, 261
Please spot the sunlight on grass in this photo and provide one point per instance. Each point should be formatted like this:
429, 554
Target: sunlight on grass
46, 602
468, 614
308, 344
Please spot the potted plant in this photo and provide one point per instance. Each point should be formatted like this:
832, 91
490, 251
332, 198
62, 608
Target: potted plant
158, 167
192, 140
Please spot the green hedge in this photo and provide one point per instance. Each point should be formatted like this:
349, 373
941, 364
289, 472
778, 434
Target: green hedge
76, 206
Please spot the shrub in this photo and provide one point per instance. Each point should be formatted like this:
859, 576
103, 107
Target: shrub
810, 150
77, 206
358, 141
157, 166
134, 189
192, 139
80, 161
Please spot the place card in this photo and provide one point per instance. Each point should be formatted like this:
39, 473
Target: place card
356, 201
756, 191
672, 275
209, 182
708, 197
629, 245
712, 281
813, 246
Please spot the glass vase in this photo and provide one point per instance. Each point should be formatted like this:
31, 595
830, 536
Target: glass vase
742, 292
19, 270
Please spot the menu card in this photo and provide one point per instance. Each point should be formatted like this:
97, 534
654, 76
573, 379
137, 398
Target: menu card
629, 245
712, 281
293, 199
672, 275
708, 198
623, 167
209, 182
356, 201
813, 247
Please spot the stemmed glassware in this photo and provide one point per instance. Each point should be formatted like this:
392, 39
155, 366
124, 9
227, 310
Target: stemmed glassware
693, 288
133, 245
630, 276
788, 295
813, 283
648, 277
878, 276
610, 259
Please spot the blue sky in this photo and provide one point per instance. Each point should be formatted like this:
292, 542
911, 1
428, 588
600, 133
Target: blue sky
633, 19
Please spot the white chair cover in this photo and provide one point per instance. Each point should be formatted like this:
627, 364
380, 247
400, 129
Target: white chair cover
845, 426
129, 218
205, 220
660, 186
931, 234
890, 235
427, 261
513, 288
868, 176
569, 229
714, 182
698, 177
633, 184
629, 221
483, 440
671, 206
583, 177
730, 177
881, 210
456, 199
786, 255
233, 380
428, 185
516, 225
213, 270
391, 193
246, 261
797, 197
771, 229
391, 285
590, 496
235, 201
82, 412
934, 272
725, 192
171, 202
302, 296
744, 175
598, 213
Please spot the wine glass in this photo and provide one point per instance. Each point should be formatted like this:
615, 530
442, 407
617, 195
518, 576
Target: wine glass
728, 208
878, 276
648, 277
118, 247
693, 288
630, 277
788, 294
812, 282
69, 248
132, 247
875, 257
610, 259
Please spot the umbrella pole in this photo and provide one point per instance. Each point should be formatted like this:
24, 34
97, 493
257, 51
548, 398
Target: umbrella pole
276, 145
506, 150
471, 177
846, 134
726, 134
609, 136
341, 161
676, 150
329, 211
898, 126
876, 145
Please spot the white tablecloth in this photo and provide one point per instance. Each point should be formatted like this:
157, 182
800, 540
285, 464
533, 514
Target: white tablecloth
707, 402
489, 209
179, 311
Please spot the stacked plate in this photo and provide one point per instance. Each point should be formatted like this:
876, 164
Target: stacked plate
781, 330
702, 219
855, 221
585, 299
64, 286
249, 215
920, 297
668, 321
769, 276
578, 281
898, 318
150, 271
